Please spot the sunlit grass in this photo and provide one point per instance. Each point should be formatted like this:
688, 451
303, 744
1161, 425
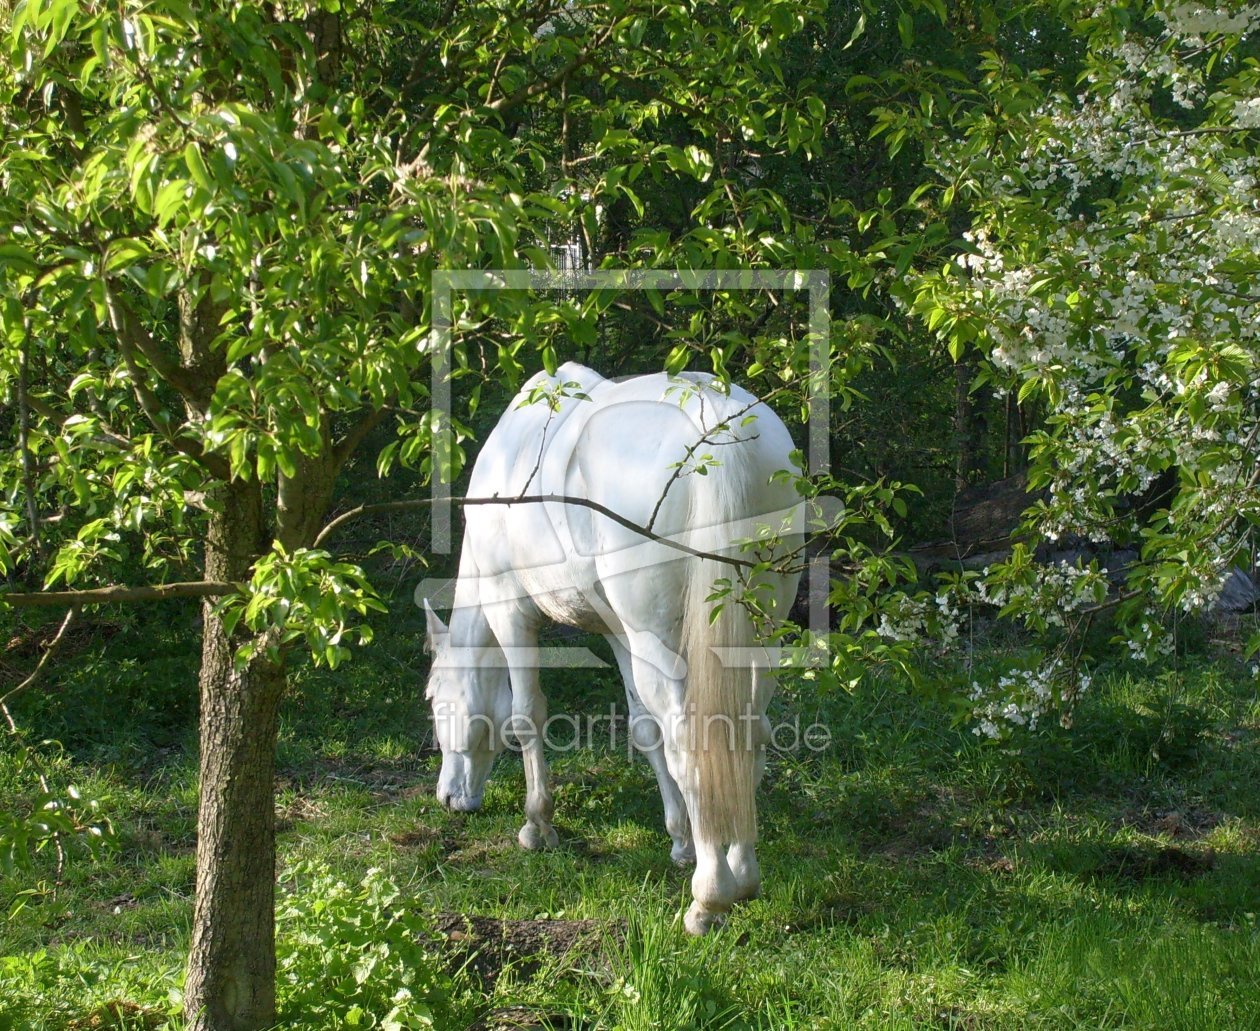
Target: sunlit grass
914, 877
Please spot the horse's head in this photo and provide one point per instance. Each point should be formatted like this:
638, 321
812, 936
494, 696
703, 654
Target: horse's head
471, 697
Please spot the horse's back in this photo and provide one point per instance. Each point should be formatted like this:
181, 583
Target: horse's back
641, 448
509, 460
652, 443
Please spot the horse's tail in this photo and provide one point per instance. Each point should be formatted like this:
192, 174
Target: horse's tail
721, 727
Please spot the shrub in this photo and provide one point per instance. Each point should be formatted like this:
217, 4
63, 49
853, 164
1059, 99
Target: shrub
355, 956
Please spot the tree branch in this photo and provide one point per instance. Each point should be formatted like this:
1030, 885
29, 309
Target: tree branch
24, 440
33, 679
213, 589
527, 93
354, 437
107, 433
119, 593
534, 499
134, 337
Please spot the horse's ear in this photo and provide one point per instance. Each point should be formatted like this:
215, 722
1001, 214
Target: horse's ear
437, 630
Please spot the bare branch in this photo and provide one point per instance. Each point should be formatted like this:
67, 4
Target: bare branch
120, 593
212, 589
33, 679
534, 499
347, 445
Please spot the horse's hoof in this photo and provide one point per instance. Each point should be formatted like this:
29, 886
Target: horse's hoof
700, 921
536, 840
683, 855
747, 894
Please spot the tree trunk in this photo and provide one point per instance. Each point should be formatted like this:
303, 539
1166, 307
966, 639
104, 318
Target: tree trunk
968, 432
231, 964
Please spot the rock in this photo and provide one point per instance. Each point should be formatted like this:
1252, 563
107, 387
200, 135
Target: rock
1238, 595
982, 526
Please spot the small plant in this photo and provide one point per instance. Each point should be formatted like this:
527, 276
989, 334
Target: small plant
52, 817
661, 980
355, 956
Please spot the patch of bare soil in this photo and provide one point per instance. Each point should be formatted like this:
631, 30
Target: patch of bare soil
1138, 863
485, 946
423, 837
299, 808
24, 648
830, 912
1190, 823
387, 780
483, 852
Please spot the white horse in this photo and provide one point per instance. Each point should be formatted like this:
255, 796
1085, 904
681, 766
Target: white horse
694, 463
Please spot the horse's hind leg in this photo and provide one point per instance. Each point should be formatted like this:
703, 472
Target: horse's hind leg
741, 857
657, 681
723, 876
646, 734
713, 888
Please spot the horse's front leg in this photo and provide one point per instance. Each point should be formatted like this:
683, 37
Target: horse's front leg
529, 716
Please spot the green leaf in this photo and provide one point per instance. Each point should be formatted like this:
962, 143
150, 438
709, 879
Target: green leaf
169, 199
197, 166
126, 252
858, 30
905, 29
678, 359
17, 256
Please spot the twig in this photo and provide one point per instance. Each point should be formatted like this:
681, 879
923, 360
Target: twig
17, 734
24, 438
680, 468
527, 93
33, 679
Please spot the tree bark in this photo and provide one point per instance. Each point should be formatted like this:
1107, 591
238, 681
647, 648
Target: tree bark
231, 964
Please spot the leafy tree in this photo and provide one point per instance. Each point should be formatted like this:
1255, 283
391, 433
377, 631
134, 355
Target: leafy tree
217, 230
1108, 270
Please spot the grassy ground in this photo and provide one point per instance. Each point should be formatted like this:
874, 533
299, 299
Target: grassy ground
914, 878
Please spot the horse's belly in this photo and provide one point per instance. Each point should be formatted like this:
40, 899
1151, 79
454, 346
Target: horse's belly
572, 609
568, 603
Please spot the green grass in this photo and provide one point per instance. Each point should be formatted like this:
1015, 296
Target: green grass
1106, 877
